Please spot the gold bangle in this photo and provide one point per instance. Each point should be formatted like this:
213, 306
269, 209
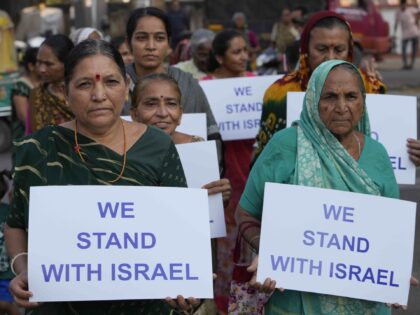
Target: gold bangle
12, 262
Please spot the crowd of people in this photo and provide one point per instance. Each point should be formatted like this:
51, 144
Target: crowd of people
68, 130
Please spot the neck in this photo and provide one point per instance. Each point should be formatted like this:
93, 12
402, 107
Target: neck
106, 135
351, 143
141, 72
222, 73
33, 78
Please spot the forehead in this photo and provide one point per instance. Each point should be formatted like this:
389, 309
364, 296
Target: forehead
342, 79
93, 65
236, 42
46, 52
150, 24
328, 36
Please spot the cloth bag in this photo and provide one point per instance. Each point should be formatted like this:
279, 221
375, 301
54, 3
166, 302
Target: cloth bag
244, 300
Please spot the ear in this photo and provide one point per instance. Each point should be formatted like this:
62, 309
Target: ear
219, 59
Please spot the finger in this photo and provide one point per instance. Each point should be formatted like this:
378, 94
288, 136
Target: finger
415, 159
182, 303
253, 266
281, 289
213, 184
388, 305
193, 301
215, 190
171, 302
413, 143
414, 281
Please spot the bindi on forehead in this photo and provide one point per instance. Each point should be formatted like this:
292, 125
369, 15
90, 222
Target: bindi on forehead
98, 77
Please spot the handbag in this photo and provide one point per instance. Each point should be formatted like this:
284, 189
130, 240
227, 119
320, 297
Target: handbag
243, 299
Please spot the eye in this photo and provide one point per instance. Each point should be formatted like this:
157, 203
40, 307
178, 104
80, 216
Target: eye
140, 38
172, 104
112, 82
160, 38
321, 49
84, 85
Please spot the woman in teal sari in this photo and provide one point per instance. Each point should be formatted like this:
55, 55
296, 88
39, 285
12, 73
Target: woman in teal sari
329, 147
96, 148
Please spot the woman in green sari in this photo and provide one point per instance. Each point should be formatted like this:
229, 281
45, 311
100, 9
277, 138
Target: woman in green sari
329, 147
96, 148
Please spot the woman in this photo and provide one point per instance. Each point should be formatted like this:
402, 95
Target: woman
96, 148
329, 147
326, 36
228, 60
148, 35
21, 91
47, 102
157, 102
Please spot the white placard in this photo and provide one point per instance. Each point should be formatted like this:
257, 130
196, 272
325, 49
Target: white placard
337, 243
200, 163
393, 119
122, 242
194, 124
237, 104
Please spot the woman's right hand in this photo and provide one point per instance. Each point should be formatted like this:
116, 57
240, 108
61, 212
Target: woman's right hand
19, 289
268, 286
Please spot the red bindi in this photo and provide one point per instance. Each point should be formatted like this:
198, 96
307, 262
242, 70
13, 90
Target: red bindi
98, 77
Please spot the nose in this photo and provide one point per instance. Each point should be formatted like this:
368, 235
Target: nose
161, 111
150, 44
98, 92
341, 106
41, 68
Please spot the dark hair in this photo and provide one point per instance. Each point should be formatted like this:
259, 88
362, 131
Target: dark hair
61, 46
332, 22
4, 187
137, 14
220, 46
351, 68
88, 48
29, 57
146, 80
116, 42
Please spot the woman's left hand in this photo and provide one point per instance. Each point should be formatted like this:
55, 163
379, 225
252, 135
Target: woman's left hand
413, 282
186, 306
413, 149
220, 186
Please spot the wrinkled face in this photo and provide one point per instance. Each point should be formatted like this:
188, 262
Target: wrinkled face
149, 43
236, 56
50, 69
96, 92
341, 102
159, 105
201, 56
239, 21
125, 53
326, 44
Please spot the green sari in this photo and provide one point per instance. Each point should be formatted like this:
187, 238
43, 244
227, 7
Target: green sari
308, 154
48, 158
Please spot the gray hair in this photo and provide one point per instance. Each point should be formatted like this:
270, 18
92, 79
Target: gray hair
199, 37
239, 14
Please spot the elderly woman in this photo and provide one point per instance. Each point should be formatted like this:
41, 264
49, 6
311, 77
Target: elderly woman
329, 147
326, 36
200, 44
47, 101
157, 102
95, 148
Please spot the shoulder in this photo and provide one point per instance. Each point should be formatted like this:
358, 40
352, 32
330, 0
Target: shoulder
180, 75
158, 136
283, 142
376, 147
278, 90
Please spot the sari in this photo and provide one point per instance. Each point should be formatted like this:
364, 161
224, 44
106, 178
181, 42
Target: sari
274, 110
308, 154
22, 88
48, 158
47, 109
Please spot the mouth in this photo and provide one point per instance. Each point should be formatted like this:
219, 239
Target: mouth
162, 124
99, 110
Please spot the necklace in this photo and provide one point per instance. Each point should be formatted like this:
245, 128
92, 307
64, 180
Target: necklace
78, 151
358, 144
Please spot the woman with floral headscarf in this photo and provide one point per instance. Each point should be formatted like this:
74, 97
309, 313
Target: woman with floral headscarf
329, 147
326, 36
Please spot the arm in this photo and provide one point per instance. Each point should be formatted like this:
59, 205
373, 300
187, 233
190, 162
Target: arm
16, 243
21, 104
